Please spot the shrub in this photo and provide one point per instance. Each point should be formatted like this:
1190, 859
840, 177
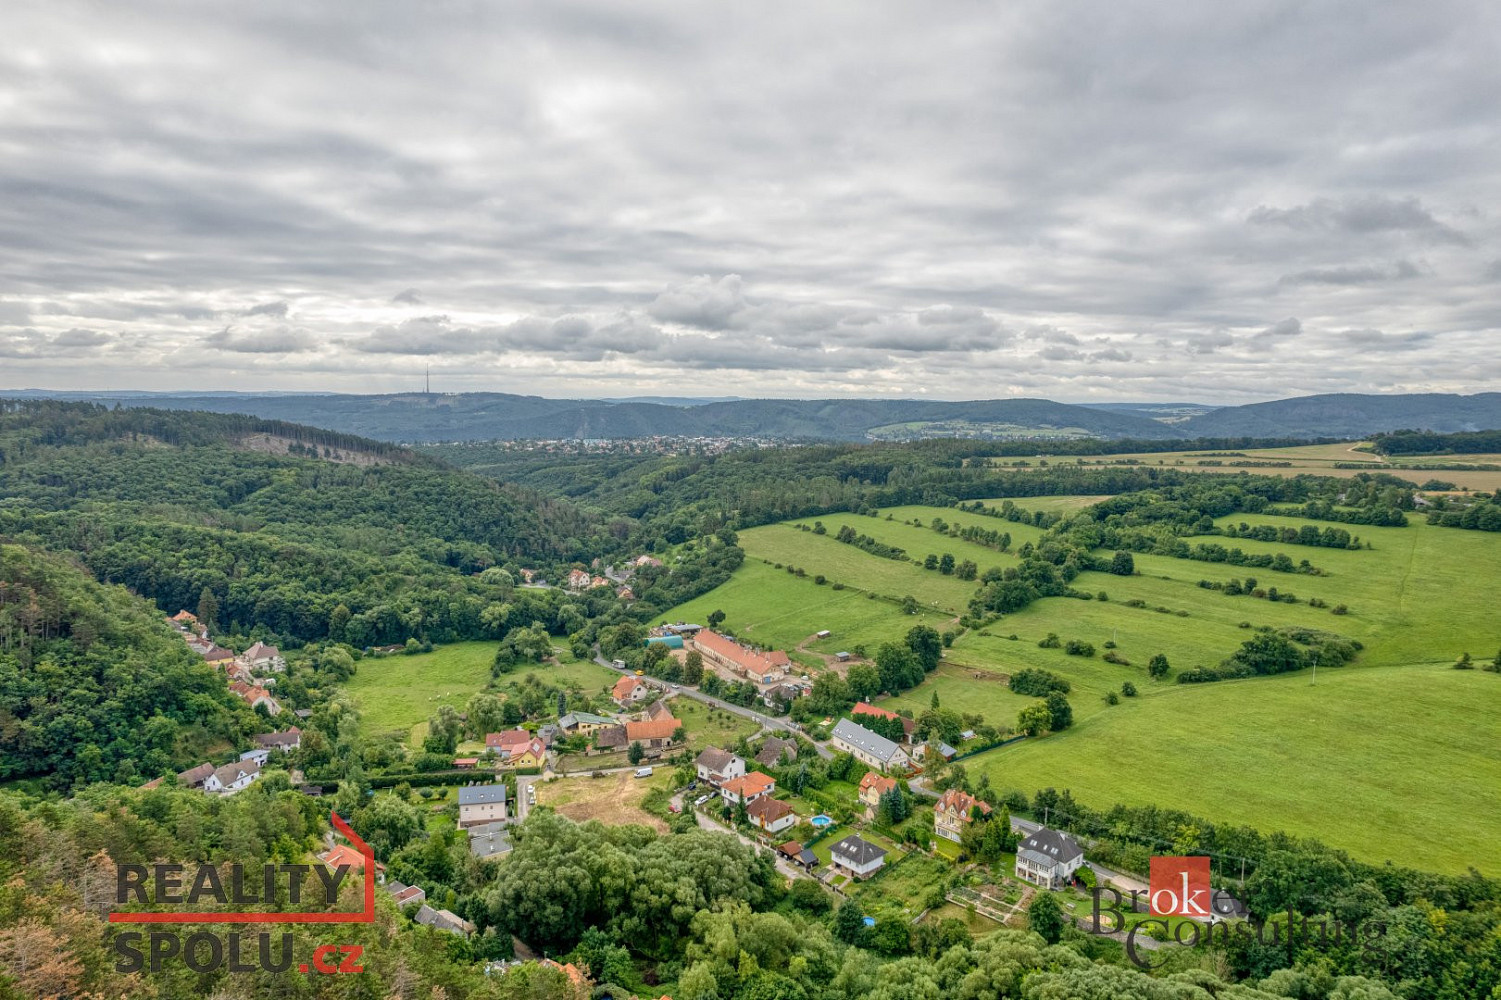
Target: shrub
1078, 647
1116, 658
1339, 609
1111, 698
1128, 689
1037, 683
1051, 642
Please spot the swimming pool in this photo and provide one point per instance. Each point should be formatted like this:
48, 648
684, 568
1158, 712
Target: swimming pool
820, 821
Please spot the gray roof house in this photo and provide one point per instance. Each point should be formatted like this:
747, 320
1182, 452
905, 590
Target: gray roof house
444, 920
476, 795
489, 840
1048, 858
871, 748
859, 857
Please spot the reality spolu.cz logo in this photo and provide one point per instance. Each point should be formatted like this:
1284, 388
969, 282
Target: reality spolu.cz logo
204, 950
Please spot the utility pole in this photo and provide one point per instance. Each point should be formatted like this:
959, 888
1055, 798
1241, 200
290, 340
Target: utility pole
427, 382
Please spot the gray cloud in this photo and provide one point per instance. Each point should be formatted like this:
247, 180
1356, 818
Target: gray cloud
277, 340
1353, 274
859, 200
1370, 214
1289, 327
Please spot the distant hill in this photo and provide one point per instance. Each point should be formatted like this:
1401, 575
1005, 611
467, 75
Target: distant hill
421, 418
479, 416
1350, 415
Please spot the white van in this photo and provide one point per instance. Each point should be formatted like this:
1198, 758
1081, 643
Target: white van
643, 772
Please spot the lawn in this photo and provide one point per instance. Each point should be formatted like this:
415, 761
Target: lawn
708, 726
614, 799
769, 606
1317, 459
400, 693
395, 693
1373, 760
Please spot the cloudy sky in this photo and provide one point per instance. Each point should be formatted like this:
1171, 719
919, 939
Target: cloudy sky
1085, 201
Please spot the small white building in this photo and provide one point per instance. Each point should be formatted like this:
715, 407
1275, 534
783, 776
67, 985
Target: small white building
232, 777
717, 766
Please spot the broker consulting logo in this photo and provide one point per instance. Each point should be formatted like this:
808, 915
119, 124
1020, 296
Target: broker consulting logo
236, 885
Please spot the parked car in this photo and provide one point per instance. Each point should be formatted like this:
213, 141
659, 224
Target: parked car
643, 772
702, 799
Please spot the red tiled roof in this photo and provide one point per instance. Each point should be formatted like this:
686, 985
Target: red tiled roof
961, 802
754, 783
767, 809
749, 660
882, 785
655, 729
346, 855
508, 738
624, 687
866, 708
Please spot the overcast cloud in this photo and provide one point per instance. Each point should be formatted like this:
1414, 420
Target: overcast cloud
1085, 201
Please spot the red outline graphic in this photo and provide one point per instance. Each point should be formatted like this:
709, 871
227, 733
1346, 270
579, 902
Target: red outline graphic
366, 916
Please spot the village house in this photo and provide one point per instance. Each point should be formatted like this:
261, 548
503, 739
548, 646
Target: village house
405, 894
255, 695
955, 810
748, 788
647, 561
263, 658
444, 920
872, 787
717, 766
260, 755
502, 743
610, 738
194, 777
771, 815
215, 654
529, 754
584, 723
653, 734
866, 708
489, 840
763, 668
578, 580
776, 751
232, 777
867, 747
549, 734
344, 856
625, 594
628, 691
481, 804
1048, 858
857, 858
285, 741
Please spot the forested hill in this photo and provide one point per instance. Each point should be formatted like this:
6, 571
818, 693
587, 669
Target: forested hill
479, 416
94, 686
1350, 415
172, 504
489, 416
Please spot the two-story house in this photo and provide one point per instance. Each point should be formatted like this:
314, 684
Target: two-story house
481, 804
954, 811
1048, 858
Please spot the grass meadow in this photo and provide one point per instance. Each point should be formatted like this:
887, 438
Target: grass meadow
1313, 459
1370, 759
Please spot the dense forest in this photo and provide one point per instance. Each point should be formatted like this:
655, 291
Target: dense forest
1431, 443
176, 504
94, 686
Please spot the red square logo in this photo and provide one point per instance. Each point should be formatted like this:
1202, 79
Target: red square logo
1180, 887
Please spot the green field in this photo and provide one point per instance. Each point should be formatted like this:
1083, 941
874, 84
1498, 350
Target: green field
710, 727
400, 693
395, 693
1368, 760
1312, 459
